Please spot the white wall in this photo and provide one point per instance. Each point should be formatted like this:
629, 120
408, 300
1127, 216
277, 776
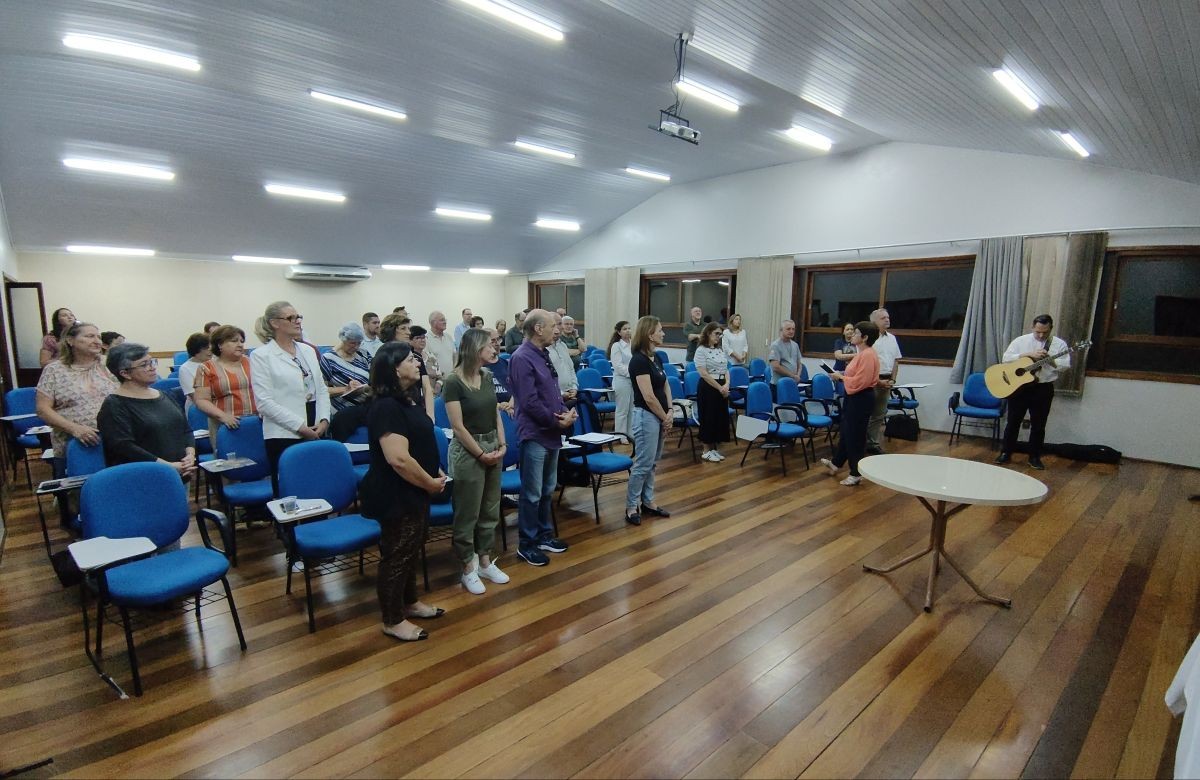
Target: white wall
161, 301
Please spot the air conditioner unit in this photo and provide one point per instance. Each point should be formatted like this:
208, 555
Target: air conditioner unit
326, 273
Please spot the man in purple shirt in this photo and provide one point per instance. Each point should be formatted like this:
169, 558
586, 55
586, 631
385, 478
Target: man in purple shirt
542, 418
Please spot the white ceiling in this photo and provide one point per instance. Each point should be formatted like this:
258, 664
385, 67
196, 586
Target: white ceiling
1122, 75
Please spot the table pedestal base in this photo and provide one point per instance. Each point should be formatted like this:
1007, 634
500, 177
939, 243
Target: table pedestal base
937, 546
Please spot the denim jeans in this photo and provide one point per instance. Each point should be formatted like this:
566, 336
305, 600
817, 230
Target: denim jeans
539, 475
647, 449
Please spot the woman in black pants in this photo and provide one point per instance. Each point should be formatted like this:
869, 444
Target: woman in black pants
861, 377
404, 473
712, 394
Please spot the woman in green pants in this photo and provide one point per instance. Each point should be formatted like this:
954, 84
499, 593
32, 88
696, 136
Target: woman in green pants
476, 460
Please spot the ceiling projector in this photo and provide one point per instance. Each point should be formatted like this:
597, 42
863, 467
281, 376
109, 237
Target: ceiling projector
677, 127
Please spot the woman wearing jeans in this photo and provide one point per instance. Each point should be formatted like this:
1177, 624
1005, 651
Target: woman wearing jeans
861, 377
652, 418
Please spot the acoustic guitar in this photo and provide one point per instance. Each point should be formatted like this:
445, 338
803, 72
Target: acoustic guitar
1003, 379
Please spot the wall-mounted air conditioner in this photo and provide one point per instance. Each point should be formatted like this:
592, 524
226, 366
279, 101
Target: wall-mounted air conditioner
326, 273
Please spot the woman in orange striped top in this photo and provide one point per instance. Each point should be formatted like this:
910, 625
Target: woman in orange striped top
860, 377
223, 390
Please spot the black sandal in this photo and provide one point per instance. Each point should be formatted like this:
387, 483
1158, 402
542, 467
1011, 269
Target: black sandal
657, 511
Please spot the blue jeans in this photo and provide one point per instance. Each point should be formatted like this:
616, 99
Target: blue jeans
539, 475
647, 450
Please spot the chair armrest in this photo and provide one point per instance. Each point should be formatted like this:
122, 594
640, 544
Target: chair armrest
223, 527
823, 402
798, 409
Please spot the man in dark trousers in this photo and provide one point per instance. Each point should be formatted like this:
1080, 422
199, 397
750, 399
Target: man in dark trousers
1035, 397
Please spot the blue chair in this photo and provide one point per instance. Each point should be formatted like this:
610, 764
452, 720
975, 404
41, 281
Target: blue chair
691, 384
823, 390
23, 400
779, 435
690, 367
148, 499
440, 417
322, 469
603, 367
362, 458
506, 356
597, 462
248, 486
510, 478
198, 421
441, 506
170, 388
792, 403
977, 404
739, 376
589, 379
685, 418
662, 356
324, 349
179, 359
82, 460
904, 400
672, 370
759, 370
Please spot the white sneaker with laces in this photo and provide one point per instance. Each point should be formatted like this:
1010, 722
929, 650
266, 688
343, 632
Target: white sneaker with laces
492, 573
851, 481
711, 457
472, 583
719, 455
828, 464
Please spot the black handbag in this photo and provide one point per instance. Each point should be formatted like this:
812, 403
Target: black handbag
901, 426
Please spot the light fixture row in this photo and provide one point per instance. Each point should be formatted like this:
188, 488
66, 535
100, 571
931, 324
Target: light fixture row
1027, 98
129, 251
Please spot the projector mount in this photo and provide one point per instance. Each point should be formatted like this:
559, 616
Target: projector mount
670, 120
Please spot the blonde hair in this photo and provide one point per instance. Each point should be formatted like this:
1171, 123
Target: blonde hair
641, 333
469, 349
66, 351
262, 326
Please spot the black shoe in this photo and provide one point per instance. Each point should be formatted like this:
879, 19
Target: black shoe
1036, 463
633, 519
874, 450
1003, 457
657, 511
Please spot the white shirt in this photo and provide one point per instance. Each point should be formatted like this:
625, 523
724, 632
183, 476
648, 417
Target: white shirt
459, 330
1183, 698
619, 355
565, 367
887, 349
714, 361
283, 385
187, 380
735, 342
441, 349
370, 346
1030, 343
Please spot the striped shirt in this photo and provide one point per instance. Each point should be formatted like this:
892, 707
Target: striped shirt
228, 385
339, 372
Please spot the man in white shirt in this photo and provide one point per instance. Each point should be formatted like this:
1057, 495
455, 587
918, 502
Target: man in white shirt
560, 357
1035, 397
439, 350
888, 351
370, 325
462, 328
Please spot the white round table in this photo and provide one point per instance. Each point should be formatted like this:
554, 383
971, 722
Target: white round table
933, 478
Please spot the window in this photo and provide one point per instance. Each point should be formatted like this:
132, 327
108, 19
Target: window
670, 297
1146, 324
927, 301
567, 294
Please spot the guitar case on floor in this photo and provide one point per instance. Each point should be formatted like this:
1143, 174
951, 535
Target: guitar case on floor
1089, 453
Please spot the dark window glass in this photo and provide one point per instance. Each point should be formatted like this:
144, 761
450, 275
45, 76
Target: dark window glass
1158, 298
929, 300
575, 301
843, 296
664, 301
552, 296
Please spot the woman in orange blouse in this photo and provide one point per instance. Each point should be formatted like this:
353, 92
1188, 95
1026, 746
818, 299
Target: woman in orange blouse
223, 390
860, 377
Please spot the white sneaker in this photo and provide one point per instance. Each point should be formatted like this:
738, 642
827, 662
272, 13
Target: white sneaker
719, 455
850, 481
472, 583
828, 464
492, 573
711, 457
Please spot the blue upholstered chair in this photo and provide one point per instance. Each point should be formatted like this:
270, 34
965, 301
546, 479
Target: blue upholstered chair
779, 435
249, 486
598, 462
739, 377
441, 506
977, 405
362, 458
440, 417
322, 469
685, 414
82, 460
790, 407
759, 370
23, 400
148, 499
590, 379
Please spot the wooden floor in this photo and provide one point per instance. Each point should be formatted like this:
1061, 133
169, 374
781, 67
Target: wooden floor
739, 638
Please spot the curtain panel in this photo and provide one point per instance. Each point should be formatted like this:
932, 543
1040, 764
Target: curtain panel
764, 298
994, 308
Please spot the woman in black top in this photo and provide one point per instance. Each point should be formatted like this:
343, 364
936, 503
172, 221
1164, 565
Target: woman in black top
404, 473
138, 423
652, 418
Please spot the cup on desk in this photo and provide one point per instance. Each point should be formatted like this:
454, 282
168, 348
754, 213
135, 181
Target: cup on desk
289, 504
231, 456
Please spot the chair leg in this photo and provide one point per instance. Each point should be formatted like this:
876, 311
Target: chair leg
596, 497
99, 625
312, 619
747, 452
133, 664
362, 571
237, 623
287, 590
197, 598
28, 473
783, 459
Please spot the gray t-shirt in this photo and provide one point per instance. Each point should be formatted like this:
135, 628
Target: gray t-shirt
788, 355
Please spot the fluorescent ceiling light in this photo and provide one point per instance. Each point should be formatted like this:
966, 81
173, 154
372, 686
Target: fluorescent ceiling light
546, 150
1016, 87
132, 51
518, 16
267, 260
708, 95
480, 216
557, 224
493, 271
645, 174
119, 168
690, 281
723, 283
358, 105
802, 135
390, 267
292, 191
821, 104
90, 249
1076, 147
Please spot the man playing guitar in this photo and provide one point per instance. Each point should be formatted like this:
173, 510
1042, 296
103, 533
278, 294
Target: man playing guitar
1035, 397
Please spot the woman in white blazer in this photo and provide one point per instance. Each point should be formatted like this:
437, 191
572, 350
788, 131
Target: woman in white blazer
288, 386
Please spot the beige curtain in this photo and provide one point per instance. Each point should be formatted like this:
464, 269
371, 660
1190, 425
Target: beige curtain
764, 298
1063, 273
610, 295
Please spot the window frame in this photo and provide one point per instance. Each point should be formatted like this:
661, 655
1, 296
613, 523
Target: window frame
644, 295
1117, 259
800, 315
535, 295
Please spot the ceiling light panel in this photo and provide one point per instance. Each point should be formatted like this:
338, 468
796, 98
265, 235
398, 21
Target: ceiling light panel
131, 51
489, 271
119, 168
92, 249
358, 105
515, 15
708, 95
549, 151
547, 223
453, 213
306, 193
1016, 88
647, 174
1074, 144
266, 260
393, 267
802, 135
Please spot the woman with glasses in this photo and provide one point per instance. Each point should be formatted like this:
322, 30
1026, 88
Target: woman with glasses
71, 390
138, 423
346, 368
288, 387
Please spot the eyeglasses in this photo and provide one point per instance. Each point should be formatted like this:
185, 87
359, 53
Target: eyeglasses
292, 318
151, 363
304, 371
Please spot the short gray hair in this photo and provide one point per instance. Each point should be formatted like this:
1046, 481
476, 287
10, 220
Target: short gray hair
351, 331
535, 318
568, 318
122, 356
